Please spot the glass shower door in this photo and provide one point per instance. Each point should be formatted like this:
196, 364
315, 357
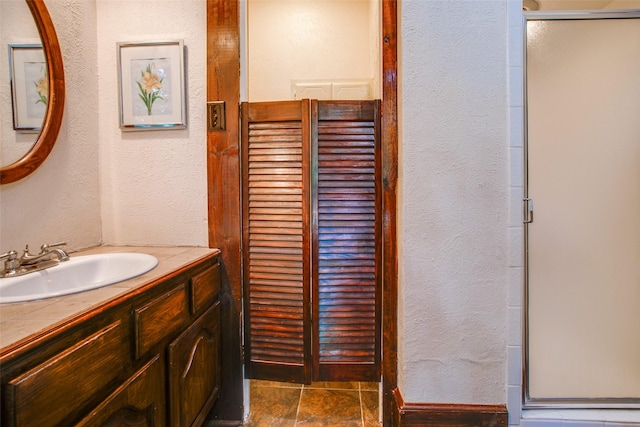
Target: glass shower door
583, 245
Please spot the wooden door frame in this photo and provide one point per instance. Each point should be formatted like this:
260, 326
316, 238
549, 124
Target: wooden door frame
223, 191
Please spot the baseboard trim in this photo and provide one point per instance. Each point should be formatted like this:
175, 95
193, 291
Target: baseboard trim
447, 415
222, 423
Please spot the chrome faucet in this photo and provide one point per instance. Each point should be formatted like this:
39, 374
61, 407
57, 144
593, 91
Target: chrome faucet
47, 252
49, 256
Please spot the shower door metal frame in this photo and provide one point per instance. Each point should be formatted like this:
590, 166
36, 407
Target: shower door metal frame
555, 403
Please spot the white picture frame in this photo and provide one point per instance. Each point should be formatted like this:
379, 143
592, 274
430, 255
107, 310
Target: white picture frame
29, 86
151, 85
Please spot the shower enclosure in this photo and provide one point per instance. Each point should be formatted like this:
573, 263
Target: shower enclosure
582, 209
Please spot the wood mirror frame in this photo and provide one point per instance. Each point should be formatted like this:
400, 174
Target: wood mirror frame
53, 116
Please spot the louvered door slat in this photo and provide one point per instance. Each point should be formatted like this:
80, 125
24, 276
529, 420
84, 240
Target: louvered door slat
346, 233
276, 250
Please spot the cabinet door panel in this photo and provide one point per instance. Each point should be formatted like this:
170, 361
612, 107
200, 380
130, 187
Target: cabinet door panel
194, 370
52, 392
138, 402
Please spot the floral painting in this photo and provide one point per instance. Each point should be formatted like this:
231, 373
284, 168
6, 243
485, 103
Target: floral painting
29, 86
152, 87
37, 89
152, 93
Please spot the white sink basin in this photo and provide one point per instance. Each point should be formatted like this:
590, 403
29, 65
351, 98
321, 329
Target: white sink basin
80, 273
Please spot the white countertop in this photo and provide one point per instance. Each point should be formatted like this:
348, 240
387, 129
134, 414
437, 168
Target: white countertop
21, 320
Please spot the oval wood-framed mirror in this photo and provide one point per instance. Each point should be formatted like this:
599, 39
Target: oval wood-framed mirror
53, 116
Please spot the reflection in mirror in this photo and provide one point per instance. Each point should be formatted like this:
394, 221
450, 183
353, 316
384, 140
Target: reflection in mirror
46, 139
17, 29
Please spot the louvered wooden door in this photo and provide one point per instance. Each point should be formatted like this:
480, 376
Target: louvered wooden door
276, 189
311, 201
346, 240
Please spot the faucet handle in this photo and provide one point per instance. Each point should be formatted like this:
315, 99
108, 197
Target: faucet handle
25, 252
11, 264
44, 248
10, 256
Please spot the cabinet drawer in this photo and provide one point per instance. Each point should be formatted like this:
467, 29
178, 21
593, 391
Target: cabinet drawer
55, 389
205, 287
160, 318
139, 401
194, 370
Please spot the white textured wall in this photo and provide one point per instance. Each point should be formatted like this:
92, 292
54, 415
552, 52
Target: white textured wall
100, 184
309, 40
153, 183
623, 4
453, 201
60, 201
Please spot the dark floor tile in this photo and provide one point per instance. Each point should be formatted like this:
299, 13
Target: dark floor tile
329, 407
273, 406
370, 408
334, 384
370, 386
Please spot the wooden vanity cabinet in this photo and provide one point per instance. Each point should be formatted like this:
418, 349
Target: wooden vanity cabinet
148, 358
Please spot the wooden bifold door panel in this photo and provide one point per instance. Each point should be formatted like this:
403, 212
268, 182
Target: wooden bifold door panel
311, 240
346, 241
275, 141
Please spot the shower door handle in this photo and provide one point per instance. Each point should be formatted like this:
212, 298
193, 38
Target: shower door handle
528, 210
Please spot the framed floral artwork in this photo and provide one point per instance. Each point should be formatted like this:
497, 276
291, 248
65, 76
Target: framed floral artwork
29, 86
151, 80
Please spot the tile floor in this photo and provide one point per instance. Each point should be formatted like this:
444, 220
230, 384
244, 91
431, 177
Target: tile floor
335, 404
